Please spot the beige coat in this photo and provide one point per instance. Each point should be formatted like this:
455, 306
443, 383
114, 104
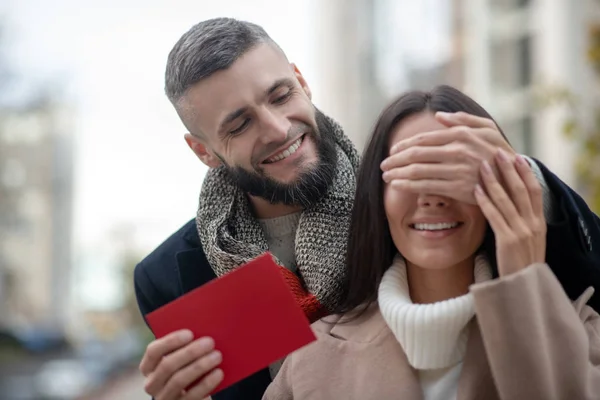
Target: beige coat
527, 341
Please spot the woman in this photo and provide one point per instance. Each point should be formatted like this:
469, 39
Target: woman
447, 300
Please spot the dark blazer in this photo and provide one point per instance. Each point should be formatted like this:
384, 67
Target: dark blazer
179, 265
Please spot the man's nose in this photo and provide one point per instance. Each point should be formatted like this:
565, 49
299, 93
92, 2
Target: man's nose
274, 126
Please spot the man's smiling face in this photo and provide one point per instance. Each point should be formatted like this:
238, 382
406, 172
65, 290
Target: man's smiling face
257, 119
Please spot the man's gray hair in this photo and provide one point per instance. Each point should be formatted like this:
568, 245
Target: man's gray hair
208, 47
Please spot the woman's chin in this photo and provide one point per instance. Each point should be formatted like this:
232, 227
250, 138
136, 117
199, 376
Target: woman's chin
438, 262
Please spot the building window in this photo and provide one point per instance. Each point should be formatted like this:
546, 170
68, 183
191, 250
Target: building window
527, 134
506, 5
511, 67
524, 60
13, 173
521, 133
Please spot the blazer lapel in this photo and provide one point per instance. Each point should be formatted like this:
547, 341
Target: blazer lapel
192, 272
192, 266
371, 330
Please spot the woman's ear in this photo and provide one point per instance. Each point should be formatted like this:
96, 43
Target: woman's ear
202, 151
301, 80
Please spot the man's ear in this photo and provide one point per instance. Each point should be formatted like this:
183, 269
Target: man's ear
202, 152
301, 80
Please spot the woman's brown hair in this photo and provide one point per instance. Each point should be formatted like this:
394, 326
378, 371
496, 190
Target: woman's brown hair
370, 246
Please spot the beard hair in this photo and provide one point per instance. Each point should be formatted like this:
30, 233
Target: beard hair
312, 183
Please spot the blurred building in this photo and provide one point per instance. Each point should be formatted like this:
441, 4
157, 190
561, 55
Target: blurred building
36, 167
363, 59
501, 52
345, 51
514, 50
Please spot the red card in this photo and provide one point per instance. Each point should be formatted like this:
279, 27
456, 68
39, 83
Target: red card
250, 313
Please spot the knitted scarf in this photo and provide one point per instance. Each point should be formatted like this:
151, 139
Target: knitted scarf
231, 236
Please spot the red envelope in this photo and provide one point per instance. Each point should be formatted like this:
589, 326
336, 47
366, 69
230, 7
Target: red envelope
250, 313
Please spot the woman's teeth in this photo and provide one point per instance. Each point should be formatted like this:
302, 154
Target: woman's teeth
435, 227
287, 152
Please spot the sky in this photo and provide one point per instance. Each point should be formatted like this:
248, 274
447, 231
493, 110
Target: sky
132, 166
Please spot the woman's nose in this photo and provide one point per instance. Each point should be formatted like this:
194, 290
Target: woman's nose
430, 200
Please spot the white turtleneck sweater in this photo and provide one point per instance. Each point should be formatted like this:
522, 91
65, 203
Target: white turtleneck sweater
433, 336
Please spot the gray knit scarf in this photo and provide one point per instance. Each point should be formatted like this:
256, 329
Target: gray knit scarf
231, 235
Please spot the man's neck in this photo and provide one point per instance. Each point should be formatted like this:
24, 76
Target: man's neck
263, 209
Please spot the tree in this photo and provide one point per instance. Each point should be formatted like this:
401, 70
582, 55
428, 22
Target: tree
583, 132
588, 163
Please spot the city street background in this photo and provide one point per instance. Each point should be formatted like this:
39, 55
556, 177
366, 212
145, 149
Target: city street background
94, 171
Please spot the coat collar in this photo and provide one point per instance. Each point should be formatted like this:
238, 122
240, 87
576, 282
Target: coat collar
368, 327
475, 380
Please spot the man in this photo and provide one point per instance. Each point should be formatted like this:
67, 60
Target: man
282, 178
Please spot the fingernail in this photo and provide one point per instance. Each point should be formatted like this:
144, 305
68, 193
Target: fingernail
385, 176
503, 156
216, 356
383, 165
207, 342
217, 375
186, 335
444, 114
486, 167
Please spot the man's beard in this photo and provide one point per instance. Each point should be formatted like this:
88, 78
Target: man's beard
312, 183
